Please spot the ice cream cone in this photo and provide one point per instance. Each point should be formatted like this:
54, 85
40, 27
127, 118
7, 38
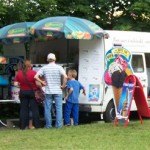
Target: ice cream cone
117, 93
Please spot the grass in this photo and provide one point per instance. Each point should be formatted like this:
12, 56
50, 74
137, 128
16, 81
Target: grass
95, 136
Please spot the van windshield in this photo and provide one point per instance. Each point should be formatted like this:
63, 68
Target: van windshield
137, 63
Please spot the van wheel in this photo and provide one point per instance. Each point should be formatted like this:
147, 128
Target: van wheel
110, 114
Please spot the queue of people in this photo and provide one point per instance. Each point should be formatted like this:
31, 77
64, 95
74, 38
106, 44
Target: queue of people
55, 80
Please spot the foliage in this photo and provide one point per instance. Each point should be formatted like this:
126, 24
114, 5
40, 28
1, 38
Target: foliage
112, 14
140, 15
40, 9
25, 10
123, 15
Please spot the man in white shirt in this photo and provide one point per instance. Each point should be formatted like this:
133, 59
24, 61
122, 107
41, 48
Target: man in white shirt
53, 74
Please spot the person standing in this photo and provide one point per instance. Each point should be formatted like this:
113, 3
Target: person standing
53, 75
72, 98
23, 78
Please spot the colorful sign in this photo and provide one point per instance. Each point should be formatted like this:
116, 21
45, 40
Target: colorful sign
118, 67
17, 32
94, 92
126, 98
78, 35
55, 26
15, 93
117, 59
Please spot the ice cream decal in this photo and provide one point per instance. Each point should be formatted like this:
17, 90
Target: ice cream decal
117, 69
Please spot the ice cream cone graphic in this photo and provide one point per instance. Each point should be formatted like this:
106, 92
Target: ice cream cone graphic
118, 68
117, 94
118, 78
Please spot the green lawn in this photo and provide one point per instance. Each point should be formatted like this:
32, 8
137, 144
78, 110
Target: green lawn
95, 136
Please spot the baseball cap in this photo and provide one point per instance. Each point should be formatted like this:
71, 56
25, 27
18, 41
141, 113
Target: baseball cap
51, 56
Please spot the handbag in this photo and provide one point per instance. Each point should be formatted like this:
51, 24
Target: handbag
39, 94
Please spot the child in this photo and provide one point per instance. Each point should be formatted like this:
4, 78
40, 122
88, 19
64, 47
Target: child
72, 102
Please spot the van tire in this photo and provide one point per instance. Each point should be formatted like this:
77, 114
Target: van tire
110, 114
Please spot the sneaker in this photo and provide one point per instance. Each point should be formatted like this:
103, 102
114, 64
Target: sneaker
67, 124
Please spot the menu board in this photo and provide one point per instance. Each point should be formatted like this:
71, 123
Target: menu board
91, 69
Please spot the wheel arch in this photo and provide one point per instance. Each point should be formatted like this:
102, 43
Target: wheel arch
109, 113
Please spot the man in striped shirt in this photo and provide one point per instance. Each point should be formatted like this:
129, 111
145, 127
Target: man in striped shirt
53, 74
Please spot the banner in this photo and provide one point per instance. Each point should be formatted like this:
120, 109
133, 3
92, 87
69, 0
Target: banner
118, 67
126, 98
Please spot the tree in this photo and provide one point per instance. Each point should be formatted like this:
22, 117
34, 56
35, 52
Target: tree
40, 9
112, 14
123, 14
3, 11
139, 14
14, 11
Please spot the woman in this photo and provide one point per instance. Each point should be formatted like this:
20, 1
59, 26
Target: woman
25, 80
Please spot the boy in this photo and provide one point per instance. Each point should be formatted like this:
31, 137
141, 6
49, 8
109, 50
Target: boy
72, 102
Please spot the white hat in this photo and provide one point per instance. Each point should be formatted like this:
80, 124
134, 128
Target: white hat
51, 56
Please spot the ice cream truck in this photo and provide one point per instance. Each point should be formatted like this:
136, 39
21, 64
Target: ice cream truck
88, 57
92, 69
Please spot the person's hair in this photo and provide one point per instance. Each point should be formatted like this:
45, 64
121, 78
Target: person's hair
50, 60
73, 72
26, 66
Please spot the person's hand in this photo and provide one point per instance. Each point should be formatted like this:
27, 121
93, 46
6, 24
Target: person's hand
84, 92
65, 98
44, 83
63, 86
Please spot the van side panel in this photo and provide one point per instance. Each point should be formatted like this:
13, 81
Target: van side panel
91, 70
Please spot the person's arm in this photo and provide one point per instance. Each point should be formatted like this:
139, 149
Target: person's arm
64, 79
83, 88
68, 93
38, 84
84, 91
16, 81
36, 77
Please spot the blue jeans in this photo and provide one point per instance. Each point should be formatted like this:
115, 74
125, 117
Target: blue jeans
48, 102
71, 108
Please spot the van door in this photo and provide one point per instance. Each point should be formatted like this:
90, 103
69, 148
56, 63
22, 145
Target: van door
139, 69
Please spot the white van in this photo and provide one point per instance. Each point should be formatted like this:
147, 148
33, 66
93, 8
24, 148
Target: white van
138, 43
90, 55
